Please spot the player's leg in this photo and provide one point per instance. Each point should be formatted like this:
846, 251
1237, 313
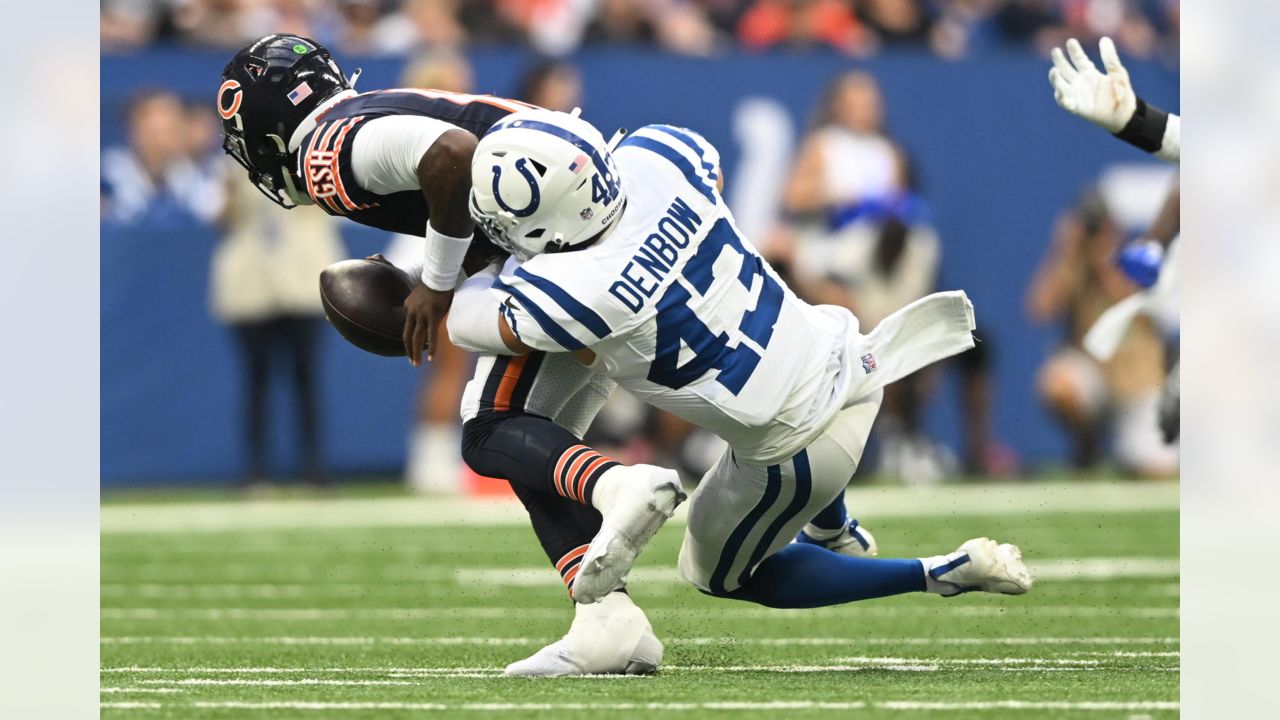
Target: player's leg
509, 437
742, 518
537, 453
303, 333
255, 338
611, 636
833, 529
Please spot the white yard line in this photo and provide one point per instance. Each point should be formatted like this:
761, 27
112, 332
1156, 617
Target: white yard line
1002, 661
394, 588
1110, 706
696, 641
866, 502
488, 613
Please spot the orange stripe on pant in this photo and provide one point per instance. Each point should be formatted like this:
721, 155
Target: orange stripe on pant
586, 473
571, 474
510, 376
558, 474
570, 556
568, 579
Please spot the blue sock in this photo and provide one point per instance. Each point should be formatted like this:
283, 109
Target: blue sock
833, 516
808, 576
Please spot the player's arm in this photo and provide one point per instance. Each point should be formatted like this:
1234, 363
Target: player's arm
1141, 259
444, 174
1109, 100
488, 319
407, 153
477, 321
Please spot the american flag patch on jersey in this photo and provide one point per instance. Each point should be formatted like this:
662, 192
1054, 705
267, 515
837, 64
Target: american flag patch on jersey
868, 363
579, 164
300, 93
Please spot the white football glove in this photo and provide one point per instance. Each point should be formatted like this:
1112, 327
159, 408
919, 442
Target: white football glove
1080, 89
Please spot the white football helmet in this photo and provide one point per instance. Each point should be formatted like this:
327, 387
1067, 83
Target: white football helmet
543, 181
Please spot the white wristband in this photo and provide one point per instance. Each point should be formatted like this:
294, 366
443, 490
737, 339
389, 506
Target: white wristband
1171, 143
442, 261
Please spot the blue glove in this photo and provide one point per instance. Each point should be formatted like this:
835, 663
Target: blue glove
1140, 261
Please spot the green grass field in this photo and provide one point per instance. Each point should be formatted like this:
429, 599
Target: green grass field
391, 607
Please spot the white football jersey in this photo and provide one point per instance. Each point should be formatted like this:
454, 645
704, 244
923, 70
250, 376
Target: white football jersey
682, 311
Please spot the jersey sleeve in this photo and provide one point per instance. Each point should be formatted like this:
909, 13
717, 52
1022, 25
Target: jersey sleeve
386, 153
544, 314
697, 159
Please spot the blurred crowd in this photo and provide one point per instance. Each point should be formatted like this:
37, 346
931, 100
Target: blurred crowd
948, 28
849, 225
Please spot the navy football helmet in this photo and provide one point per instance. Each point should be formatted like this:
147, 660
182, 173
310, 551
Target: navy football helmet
267, 90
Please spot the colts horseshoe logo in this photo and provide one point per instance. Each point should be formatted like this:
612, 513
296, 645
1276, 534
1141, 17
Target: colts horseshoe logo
228, 112
535, 196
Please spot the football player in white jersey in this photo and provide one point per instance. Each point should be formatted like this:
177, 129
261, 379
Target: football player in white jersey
625, 255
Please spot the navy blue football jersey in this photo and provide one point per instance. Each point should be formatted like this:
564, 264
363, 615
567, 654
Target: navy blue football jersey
324, 157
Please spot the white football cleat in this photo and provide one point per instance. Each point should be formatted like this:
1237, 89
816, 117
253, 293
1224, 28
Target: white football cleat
854, 540
980, 564
635, 501
611, 637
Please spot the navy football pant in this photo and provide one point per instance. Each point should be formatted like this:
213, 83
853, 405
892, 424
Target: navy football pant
526, 450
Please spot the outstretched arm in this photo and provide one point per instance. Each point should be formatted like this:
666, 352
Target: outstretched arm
1109, 100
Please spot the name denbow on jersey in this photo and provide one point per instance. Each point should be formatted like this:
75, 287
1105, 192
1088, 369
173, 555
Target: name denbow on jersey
656, 256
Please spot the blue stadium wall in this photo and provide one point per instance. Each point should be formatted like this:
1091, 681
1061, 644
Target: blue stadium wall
997, 160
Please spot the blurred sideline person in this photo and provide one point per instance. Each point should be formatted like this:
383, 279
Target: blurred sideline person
157, 179
263, 286
1108, 99
867, 245
434, 457
1075, 283
552, 84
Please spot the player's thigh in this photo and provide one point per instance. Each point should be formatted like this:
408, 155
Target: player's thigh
539, 384
742, 513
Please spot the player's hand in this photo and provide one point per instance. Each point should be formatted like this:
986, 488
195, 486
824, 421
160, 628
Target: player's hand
1081, 89
424, 311
1140, 260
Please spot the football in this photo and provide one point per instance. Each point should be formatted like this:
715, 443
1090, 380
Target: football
364, 301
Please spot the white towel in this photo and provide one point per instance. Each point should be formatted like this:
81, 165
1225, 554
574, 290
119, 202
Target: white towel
930, 329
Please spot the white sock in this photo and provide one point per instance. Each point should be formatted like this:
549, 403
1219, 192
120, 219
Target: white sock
939, 587
822, 534
607, 486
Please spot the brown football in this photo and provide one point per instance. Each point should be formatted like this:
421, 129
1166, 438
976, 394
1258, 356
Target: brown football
364, 301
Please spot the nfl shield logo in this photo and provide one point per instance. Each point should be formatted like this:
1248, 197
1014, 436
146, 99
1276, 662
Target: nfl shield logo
868, 363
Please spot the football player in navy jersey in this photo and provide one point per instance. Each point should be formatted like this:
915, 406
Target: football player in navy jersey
392, 159
400, 160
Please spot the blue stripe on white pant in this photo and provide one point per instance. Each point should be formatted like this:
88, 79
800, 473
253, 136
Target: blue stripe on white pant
742, 513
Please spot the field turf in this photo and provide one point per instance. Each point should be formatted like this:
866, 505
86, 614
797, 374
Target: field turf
385, 607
